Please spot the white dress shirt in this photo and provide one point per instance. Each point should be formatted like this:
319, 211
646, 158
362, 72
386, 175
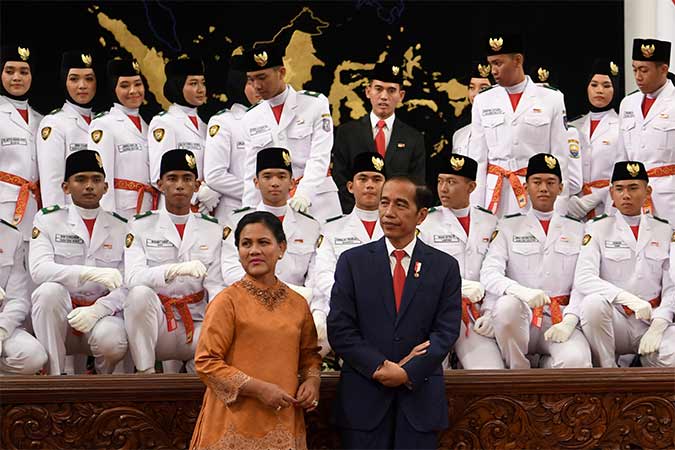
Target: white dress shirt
405, 262
389, 123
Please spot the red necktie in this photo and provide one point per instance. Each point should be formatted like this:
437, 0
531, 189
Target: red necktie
89, 223
137, 121
379, 138
399, 278
594, 125
465, 222
181, 229
281, 218
545, 224
634, 229
86, 118
24, 114
515, 98
646, 105
277, 111
370, 226
194, 121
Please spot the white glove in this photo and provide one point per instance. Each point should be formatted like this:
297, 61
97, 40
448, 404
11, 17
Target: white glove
194, 269
641, 308
305, 292
561, 332
2, 294
320, 324
533, 297
651, 340
84, 318
484, 327
472, 290
299, 203
207, 198
580, 206
108, 277
3, 336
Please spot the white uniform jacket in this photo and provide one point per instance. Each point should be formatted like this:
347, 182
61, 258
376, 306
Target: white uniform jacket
60, 249
13, 279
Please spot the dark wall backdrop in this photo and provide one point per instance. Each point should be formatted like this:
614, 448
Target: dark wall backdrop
330, 45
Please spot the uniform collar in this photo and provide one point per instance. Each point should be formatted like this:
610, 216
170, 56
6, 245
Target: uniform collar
408, 249
279, 99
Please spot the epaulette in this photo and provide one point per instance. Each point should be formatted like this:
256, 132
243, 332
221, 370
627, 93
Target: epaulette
162, 113
547, 86
145, 214
333, 219
245, 208
310, 93
595, 219
54, 111
253, 106
8, 224
50, 209
508, 216
101, 114
306, 215
480, 208
567, 216
432, 209
117, 216
221, 111
576, 118
487, 88
209, 218
631, 93
660, 219
570, 125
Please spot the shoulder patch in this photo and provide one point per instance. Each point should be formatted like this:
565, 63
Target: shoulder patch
586, 240
50, 209
494, 235
209, 218
161, 113
145, 214
253, 106
96, 136
660, 219
333, 219
319, 241
118, 217
245, 208
433, 209
45, 132
221, 111
567, 216
631, 93
101, 114
158, 134
595, 219
54, 111
488, 88
8, 224
213, 130
226, 232
310, 93
577, 118
306, 215
549, 87
480, 208
508, 216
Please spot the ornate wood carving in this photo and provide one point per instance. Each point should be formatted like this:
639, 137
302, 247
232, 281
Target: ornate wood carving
538, 409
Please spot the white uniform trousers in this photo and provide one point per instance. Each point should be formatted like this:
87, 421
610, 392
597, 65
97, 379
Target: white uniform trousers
106, 342
611, 333
21, 354
517, 338
149, 338
477, 352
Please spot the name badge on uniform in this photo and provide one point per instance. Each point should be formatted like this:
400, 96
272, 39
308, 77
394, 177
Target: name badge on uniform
75, 147
663, 116
628, 114
14, 141
524, 239
194, 146
445, 239
347, 241
615, 244
241, 145
492, 112
123, 148
258, 130
68, 239
158, 243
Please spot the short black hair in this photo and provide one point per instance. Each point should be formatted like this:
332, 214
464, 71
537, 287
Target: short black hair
269, 220
423, 196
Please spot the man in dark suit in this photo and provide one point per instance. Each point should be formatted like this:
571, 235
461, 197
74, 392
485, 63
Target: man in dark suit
401, 146
395, 312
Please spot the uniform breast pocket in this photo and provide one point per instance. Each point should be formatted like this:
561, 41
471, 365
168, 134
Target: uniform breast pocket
567, 253
664, 134
299, 142
159, 256
6, 261
493, 127
655, 258
261, 141
627, 128
68, 253
203, 253
298, 256
619, 263
525, 256
109, 258
536, 130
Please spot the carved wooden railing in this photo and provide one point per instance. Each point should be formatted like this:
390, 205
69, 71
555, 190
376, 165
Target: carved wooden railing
534, 409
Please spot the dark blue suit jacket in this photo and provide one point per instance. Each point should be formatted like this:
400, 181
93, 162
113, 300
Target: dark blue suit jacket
364, 330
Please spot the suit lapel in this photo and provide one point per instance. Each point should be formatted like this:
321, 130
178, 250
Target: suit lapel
625, 232
534, 227
368, 132
288, 113
554, 230
394, 139
412, 282
189, 235
661, 103
77, 226
169, 229
380, 262
644, 234
526, 100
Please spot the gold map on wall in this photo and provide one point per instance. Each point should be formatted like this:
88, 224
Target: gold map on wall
302, 32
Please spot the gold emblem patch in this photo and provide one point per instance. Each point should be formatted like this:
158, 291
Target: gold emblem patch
647, 50
378, 163
484, 70
496, 44
672, 239
587, 239
96, 136
129, 240
136, 67
158, 134
86, 59
494, 235
287, 158
395, 70
456, 163
35, 233
550, 161
633, 169
213, 130
260, 58
613, 68
191, 161
226, 232
24, 53
99, 161
543, 74
46, 131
